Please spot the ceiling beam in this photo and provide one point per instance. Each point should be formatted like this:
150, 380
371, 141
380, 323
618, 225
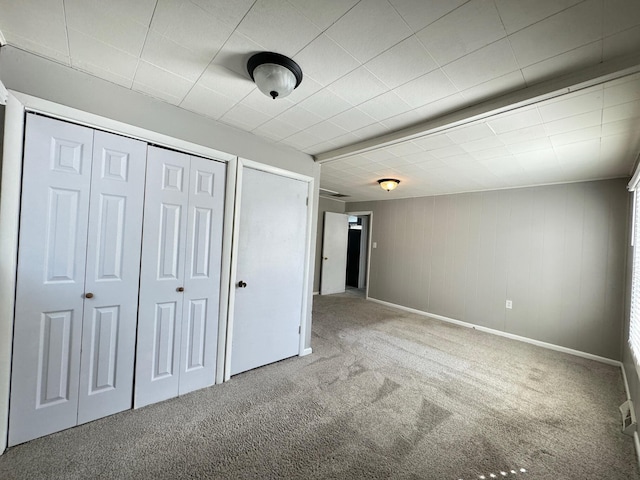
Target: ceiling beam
581, 79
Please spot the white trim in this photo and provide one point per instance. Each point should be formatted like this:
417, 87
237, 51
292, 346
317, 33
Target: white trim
626, 383
4, 93
633, 183
62, 112
9, 225
370, 242
500, 333
306, 351
225, 271
316, 293
304, 318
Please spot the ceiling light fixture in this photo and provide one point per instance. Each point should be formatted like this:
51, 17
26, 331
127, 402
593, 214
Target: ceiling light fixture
388, 184
275, 75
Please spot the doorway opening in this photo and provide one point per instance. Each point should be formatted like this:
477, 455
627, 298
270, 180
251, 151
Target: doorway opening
357, 267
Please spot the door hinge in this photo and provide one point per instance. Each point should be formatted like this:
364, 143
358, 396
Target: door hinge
299, 329
307, 202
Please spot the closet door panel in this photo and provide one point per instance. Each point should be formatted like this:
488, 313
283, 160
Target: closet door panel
202, 275
50, 279
112, 276
162, 276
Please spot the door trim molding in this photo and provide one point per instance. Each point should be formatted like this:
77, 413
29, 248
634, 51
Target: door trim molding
304, 320
365, 213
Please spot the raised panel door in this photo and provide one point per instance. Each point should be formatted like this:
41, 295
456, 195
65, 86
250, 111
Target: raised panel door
50, 279
112, 276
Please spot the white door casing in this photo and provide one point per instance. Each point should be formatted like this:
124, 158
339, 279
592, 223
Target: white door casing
270, 260
79, 234
180, 275
334, 253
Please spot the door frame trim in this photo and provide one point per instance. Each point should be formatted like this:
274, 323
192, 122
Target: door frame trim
366, 213
304, 321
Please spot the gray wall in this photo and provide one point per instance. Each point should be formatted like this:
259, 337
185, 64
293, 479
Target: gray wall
558, 252
324, 205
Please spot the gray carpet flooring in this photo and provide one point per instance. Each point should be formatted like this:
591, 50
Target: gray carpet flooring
385, 394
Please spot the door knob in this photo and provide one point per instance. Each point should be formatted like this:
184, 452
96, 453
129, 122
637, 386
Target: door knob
88, 295
326, 258
242, 284
180, 289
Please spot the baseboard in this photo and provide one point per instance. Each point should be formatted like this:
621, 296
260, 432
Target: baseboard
306, 351
316, 293
500, 333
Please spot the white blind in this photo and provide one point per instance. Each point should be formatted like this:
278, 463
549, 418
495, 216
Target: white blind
634, 326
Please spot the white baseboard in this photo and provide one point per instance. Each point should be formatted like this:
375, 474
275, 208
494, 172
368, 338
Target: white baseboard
316, 293
306, 351
500, 333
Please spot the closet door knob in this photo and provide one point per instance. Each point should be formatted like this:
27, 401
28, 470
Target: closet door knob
180, 289
88, 295
242, 284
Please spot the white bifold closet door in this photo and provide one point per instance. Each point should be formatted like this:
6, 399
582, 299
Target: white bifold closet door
180, 275
77, 279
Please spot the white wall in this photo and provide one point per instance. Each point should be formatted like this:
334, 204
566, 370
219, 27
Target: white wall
26, 73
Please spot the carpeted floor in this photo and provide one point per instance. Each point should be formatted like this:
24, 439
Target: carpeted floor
386, 394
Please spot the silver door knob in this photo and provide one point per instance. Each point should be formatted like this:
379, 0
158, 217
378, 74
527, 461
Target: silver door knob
242, 284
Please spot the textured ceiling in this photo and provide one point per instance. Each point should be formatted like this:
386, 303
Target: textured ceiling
372, 67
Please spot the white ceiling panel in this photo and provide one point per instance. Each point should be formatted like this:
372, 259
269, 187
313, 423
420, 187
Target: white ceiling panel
426, 89
277, 27
369, 28
420, 13
402, 63
372, 68
569, 29
159, 83
106, 24
325, 61
518, 14
358, 86
207, 102
564, 63
120, 65
456, 35
488, 63
323, 14
164, 53
229, 13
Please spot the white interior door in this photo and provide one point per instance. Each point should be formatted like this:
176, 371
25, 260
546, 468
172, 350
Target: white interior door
334, 253
112, 276
271, 247
50, 280
161, 276
201, 302
180, 276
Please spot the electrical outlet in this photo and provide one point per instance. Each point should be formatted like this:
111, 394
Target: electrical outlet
375, 244
509, 304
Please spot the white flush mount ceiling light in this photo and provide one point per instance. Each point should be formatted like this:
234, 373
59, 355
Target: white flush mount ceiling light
275, 75
388, 184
